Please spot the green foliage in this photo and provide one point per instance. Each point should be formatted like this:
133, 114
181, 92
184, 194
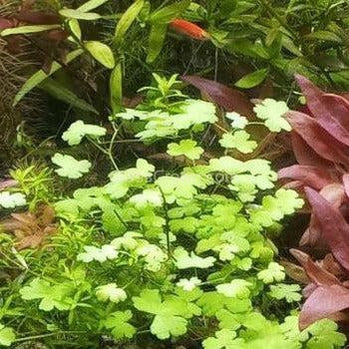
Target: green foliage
171, 255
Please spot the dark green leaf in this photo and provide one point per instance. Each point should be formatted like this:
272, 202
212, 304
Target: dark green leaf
167, 14
115, 85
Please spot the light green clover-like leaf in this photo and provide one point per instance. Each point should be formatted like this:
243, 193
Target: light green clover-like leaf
189, 285
78, 130
186, 147
70, 167
236, 288
110, 292
239, 140
118, 323
238, 121
12, 200
171, 314
273, 113
93, 253
291, 293
151, 197
7, 336
184, 260
153, 256
51, 296
274, 272
325, 336
224, 339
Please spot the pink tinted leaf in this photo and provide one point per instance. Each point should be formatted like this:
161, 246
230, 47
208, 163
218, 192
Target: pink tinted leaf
315, 272
224, 96
310, 176
318, 138
334, 228
6, 23
305, 155
322, 303
331, 113
346, 183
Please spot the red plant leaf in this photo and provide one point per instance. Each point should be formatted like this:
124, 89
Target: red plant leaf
334, 228
318, 138
331, 113
334, 194
224, 96
190, 29
346, 183
305, 155
322, 303
310, 176
6, 23
38, 17
315, 272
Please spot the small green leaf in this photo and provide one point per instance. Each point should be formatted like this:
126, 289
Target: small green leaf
90, 5
70, 13
75, 27
186, 147
70, 167
7, 336
274, 272
115, 86
40, 76
118, 323
156, 40
101, 53
28, 29
239, 140
127, 19
253, 79
78, 130
291, 293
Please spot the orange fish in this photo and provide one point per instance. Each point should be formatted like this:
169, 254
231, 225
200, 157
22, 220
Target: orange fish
190, 29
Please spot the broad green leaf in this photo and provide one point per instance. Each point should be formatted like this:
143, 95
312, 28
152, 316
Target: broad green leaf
70, 167
40, 76
291, 293
28, 29
274, 272
165, 14
57, 90
90, 5
102, 254
156, 40
127, 19
78, 130
7, 336
273, 112
253, 79
238, 288
187, 148
12, 200
110, 292
239, 140
101, 53
224, 339
118, 324
115, 86
70, 13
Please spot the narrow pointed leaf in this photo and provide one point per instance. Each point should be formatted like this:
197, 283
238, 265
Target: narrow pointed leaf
253, 79
29, 29
115, 86
165, 14
89, 16
101, 53
90, 5
156, 41
40, 76
127, 19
